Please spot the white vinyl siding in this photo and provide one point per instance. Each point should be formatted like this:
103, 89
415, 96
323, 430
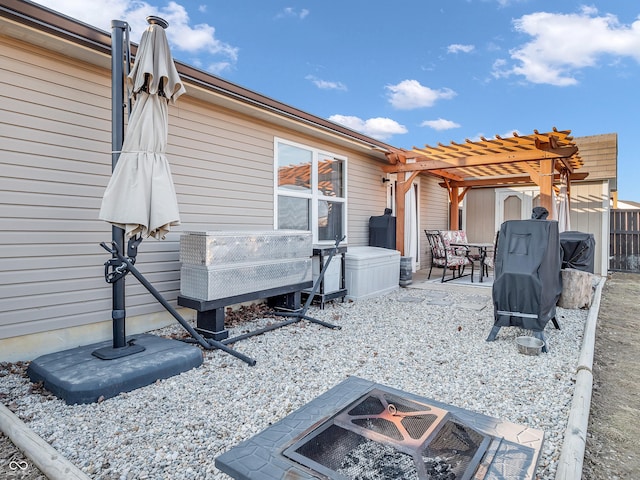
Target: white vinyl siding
54, 139
480, 203
367, 198
55, 161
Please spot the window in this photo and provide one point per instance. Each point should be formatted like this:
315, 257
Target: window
310, 191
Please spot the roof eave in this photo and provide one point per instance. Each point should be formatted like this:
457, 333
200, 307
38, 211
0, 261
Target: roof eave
42, 19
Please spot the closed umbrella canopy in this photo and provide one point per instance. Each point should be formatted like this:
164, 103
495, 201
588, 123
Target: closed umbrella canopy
564, 220
140, 197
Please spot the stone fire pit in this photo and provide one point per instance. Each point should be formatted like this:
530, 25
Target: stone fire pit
366, 431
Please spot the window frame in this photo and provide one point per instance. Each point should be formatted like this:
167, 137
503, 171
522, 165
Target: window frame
314, 195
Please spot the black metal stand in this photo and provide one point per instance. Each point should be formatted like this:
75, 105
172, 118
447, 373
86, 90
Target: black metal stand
111, 353
211, 313
296, 316
322, 295
302, 313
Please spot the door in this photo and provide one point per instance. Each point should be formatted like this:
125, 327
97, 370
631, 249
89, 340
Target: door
515, 204
411, 219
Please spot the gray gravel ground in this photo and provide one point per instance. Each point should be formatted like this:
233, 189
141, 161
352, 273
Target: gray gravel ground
427, 342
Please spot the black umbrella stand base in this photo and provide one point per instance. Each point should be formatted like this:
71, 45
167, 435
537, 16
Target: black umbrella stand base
77, 376
111, 353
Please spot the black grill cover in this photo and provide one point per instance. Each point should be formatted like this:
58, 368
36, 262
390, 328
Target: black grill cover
382, 230
527, 281
578, 250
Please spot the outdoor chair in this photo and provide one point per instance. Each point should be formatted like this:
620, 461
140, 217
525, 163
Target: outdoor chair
489, 260
447, 257
459, 237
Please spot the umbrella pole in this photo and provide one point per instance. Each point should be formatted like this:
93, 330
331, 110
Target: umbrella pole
119, 30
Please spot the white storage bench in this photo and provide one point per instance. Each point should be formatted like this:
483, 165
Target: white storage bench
371, 271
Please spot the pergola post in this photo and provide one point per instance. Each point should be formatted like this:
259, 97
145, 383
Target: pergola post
454, 208
546, 184
403, 185
400, 195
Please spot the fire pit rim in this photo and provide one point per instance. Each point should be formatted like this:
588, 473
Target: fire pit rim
265, 447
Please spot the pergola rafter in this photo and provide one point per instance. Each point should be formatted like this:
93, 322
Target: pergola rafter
537, 159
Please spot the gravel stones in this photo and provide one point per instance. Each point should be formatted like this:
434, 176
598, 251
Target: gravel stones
176, 427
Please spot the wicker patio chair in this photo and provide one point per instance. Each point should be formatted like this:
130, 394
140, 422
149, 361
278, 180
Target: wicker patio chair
447, 257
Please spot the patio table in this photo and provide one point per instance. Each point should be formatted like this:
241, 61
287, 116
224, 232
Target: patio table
482, 247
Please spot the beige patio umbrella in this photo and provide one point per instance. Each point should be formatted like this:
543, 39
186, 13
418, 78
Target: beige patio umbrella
564, 221
140, 197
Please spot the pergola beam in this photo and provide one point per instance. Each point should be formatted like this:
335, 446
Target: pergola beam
429, 163
445, 174
502, 182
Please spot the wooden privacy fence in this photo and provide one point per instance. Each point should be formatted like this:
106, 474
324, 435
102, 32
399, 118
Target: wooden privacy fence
624, 245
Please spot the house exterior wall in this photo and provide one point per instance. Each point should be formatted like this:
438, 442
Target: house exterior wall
55, 163
480, 204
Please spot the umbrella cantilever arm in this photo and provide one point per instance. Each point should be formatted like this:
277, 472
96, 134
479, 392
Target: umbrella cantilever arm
208, 344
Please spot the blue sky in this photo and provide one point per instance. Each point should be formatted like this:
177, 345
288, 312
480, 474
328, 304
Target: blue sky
416, 72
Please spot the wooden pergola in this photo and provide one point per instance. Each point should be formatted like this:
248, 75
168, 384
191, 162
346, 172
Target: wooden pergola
539, 158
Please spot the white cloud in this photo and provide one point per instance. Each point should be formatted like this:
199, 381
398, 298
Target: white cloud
325, 84
379, 128
409, 94
456, 48
563, 44
290, 12
440, 124
98, 14
182, 34
217, 68
506, 3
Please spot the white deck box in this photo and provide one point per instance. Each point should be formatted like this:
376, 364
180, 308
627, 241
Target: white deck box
371, 271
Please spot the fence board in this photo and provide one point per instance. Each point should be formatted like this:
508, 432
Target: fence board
624, 245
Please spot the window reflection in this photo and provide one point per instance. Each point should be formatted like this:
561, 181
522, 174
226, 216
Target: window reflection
329, 220
330, 176
294, 168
